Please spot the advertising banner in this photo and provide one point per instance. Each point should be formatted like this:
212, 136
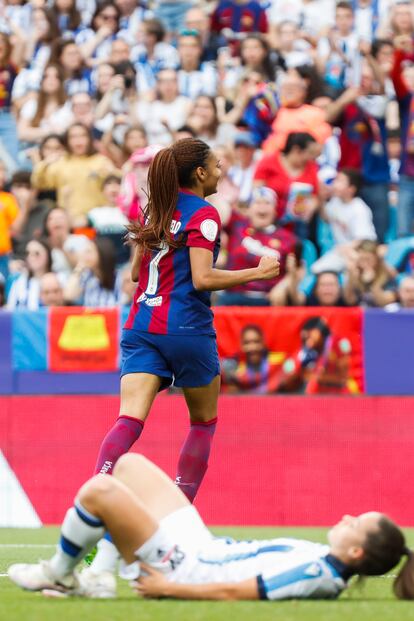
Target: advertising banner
310, 350
83, 339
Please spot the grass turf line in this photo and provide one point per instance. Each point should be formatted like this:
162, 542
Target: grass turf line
373, 603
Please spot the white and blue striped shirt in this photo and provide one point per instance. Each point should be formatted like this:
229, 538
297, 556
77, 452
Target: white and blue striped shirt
284, 568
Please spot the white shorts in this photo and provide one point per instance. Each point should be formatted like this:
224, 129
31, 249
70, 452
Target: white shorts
187, 529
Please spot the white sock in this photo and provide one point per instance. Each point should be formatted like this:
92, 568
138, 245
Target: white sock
161, 552
106, 558
79, 533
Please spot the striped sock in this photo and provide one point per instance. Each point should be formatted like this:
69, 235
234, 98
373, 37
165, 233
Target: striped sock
79, 533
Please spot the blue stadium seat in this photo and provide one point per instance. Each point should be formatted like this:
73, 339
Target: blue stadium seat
397, 251
391, 234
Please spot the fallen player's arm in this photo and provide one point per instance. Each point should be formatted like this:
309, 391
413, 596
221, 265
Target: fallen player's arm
156, 585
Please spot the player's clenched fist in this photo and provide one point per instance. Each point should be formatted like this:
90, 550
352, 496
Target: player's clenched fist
268, 268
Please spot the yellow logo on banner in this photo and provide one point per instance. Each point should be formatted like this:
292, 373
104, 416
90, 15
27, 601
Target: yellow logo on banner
84, 333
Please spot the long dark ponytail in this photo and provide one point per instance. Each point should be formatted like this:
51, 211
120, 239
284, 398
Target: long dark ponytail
170, 169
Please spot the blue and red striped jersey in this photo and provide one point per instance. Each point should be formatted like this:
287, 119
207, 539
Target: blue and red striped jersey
166, 301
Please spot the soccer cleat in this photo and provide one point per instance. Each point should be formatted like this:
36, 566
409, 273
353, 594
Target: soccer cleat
96, 585
37, 577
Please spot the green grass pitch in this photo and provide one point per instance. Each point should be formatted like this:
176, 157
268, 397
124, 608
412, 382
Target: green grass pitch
374, 602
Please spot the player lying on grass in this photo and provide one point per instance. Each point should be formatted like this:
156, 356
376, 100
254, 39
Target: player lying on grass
150, 520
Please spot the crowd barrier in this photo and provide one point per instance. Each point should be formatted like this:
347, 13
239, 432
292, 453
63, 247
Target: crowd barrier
274, 461
76, 350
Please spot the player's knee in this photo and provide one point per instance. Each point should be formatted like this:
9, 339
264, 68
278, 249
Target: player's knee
127, 463
100, 485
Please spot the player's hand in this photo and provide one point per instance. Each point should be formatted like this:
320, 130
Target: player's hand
152, 584
268, 268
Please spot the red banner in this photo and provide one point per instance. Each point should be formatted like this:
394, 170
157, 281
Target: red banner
83, 339
337, 366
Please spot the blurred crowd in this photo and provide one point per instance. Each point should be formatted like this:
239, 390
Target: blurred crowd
309, 105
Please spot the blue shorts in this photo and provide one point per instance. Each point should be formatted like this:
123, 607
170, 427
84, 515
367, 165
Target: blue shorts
185, 361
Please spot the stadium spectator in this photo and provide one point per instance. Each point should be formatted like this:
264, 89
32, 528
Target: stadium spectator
120, 73
292, 48
46, 113
253, 105
255, 56
109, 221
196, 18
102, 77
151, 55
93, 279
76, 176
250, 237
294, 115
134, 138
237, 17
204, 120
95, 42
327, 290
9, 213
8, 72
51, 290
65, 246
400, 21
350, 220
25, 287
132, 13
77, 77
51, 146
369, 281
194, 76
39, 40
292, 174
360, 113
121, 96
338, 52
403, 79
67, 17
405, 295
167, 113
244, 166
32, 213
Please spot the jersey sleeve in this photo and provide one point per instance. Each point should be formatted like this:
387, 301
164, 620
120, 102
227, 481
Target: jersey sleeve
305, 581
204, 228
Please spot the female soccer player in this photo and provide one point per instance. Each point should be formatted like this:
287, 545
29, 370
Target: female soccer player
169, 335
150, 520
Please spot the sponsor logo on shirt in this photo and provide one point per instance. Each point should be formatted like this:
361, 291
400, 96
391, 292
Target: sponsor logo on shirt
154, 301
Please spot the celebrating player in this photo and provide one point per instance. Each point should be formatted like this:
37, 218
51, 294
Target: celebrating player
169, 335
152, 522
